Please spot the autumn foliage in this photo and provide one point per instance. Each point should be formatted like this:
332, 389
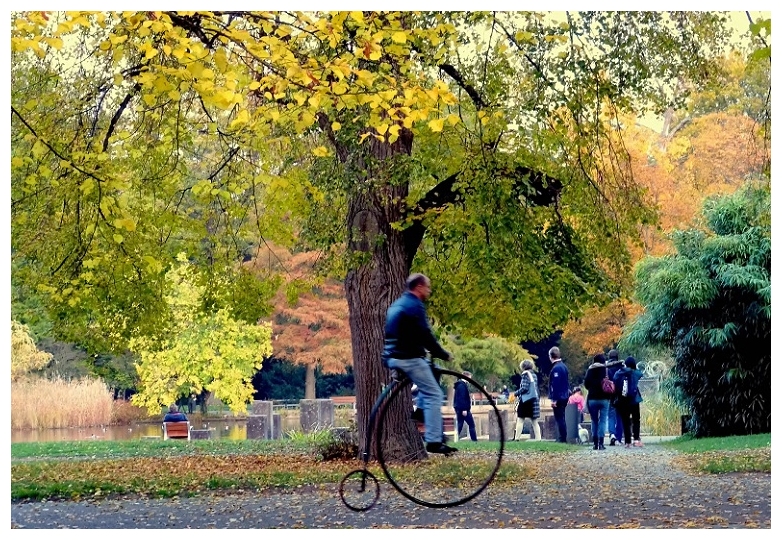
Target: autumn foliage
310, 323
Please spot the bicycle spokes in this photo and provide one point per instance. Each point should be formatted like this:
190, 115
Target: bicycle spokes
359, 490
434, 480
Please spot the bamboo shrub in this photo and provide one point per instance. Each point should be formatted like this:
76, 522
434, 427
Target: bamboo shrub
60, 403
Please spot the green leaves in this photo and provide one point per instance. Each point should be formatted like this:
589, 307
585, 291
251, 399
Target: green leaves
710, 304
200, 351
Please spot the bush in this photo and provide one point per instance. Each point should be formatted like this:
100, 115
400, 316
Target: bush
329, 443
125, 412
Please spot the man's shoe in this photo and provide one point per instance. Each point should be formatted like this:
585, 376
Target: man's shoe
439, 448
613, 441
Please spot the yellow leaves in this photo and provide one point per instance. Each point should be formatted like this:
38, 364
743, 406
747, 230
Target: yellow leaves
118, 238
53, 42
195, 68
116, 40
399, 37
436, 125
339, 88
226, 99
221, 60
321, 151
241, 119
87, 186
39, 149
153, 265
336, 126
125, 223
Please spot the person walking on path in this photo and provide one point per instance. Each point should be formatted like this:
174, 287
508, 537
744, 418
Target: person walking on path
528, 398
408, 337
597, 400
462, 405
628, 401
558, 391
613, 365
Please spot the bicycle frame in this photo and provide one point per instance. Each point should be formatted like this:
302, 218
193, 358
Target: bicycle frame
397, 377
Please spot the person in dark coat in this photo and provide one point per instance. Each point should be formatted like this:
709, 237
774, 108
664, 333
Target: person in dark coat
597, 400
528, 399
408, 338
558, 391
613, 365
173, 415
629, 405
462, 405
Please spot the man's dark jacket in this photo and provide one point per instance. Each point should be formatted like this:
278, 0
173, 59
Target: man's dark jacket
175, 417
461, 396
408, 334
559, 387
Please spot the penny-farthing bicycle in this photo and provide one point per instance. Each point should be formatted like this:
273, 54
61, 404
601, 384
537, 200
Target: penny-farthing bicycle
436, 481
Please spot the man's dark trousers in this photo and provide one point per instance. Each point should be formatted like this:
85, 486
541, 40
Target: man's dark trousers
460, 420
559, 416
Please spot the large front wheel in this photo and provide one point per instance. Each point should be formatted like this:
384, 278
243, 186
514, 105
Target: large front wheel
441, 481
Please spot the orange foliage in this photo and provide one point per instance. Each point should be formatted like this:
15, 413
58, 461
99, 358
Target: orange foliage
315, 329
713, 154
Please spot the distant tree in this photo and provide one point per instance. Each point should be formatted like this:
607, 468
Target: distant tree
491, 360
710, 303
279, 379
25, 356
310, 321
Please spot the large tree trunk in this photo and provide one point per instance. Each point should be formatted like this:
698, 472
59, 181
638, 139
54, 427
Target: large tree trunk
372, 286
309, 382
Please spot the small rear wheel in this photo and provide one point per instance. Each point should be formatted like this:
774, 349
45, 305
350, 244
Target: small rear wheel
359, 490
437, 480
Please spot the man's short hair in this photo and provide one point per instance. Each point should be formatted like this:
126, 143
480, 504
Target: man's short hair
173, 408
553, 352
414, 280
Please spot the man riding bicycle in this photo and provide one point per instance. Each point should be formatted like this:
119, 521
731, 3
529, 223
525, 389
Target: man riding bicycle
408, 337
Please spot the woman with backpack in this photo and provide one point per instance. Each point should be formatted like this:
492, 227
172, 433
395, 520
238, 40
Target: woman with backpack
598, 399
628, 401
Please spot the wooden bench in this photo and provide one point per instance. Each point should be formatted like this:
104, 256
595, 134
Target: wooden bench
340, 401
176, 430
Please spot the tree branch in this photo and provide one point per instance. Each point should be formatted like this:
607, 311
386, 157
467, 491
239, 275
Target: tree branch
536, 187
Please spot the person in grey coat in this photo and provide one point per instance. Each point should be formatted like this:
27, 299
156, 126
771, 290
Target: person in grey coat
528, 398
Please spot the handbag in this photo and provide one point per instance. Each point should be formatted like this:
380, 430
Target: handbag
531, 391
608, 386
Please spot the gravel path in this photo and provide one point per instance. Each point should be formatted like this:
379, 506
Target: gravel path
617, 488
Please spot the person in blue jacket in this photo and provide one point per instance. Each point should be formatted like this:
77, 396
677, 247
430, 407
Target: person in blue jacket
558, 391
628, 401
408, 337
173, 415
462, 405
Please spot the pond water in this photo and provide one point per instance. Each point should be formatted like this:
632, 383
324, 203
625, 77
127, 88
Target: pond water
221, 429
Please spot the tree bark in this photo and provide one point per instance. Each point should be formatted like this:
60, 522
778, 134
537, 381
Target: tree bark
374, 283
